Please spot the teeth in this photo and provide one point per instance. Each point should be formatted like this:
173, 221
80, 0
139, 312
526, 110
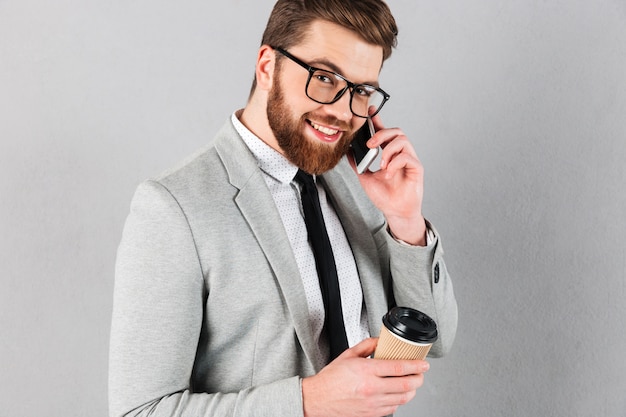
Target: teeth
324, 130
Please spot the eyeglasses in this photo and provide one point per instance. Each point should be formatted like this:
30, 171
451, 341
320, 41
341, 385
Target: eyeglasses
326, 87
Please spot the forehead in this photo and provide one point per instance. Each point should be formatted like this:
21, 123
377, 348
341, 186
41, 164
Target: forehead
349, 54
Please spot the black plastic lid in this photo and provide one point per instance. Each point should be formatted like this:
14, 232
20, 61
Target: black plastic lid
411, 324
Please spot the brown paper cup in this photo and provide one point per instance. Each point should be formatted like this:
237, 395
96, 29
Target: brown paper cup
391, 346
406, 334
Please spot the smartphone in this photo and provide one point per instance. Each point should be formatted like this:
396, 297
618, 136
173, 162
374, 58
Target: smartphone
364, 156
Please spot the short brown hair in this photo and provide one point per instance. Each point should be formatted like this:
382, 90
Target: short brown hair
370, 19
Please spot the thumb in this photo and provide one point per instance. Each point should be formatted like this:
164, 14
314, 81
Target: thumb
362, 349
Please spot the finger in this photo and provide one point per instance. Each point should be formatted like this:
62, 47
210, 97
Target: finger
402, 163
402, 384
362, 349
399, 154
394, 141
386, 367
399, 399
383, 136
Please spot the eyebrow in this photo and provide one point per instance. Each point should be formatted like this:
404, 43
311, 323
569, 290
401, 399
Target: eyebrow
334, 68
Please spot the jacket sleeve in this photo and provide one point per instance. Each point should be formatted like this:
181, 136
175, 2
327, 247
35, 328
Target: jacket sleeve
420, 280
157, 318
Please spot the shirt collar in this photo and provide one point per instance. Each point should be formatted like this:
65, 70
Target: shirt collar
270, 161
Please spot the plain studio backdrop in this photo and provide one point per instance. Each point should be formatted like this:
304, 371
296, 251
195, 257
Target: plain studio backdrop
517, 110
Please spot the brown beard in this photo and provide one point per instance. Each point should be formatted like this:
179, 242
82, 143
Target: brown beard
311, 156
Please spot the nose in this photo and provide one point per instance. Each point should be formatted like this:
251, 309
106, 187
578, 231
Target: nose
341, 108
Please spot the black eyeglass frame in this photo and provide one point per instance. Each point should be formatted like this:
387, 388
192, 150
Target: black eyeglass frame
349, 84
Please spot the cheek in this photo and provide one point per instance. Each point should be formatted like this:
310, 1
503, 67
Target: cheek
296, 100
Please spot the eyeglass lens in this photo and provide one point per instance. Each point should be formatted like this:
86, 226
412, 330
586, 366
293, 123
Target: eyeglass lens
325, 87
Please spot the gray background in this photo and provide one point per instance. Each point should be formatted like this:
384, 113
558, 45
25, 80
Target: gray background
517, 109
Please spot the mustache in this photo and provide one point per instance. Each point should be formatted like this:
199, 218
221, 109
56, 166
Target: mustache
329, 120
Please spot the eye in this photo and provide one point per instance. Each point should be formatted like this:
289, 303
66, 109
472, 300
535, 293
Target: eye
323, 78
364, 90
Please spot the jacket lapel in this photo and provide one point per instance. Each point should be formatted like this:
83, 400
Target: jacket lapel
258, 208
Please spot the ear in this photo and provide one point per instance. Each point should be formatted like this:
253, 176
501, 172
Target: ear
266, 60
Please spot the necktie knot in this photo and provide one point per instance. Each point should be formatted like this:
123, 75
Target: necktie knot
304, 178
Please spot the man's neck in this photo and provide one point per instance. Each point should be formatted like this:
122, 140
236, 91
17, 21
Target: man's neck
255, 121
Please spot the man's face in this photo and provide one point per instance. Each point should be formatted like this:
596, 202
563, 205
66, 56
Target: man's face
315, 136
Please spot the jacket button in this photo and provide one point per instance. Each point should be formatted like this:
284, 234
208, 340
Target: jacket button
437, 273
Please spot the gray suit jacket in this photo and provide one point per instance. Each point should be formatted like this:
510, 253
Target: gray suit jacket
210, 316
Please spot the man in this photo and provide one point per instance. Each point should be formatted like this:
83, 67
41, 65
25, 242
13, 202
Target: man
218, 309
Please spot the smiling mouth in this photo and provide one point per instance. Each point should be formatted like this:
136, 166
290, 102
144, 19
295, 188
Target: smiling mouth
323, 129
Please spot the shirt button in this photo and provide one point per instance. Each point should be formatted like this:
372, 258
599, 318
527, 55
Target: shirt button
437, 273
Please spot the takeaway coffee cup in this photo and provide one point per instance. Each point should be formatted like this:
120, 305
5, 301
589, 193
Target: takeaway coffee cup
406, 334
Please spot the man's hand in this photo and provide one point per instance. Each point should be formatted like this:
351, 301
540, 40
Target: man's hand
397, 189
355, 385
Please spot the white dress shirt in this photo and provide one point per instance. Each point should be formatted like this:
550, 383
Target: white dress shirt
279, 175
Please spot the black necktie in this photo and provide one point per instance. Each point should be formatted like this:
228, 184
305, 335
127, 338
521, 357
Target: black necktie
325, 262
